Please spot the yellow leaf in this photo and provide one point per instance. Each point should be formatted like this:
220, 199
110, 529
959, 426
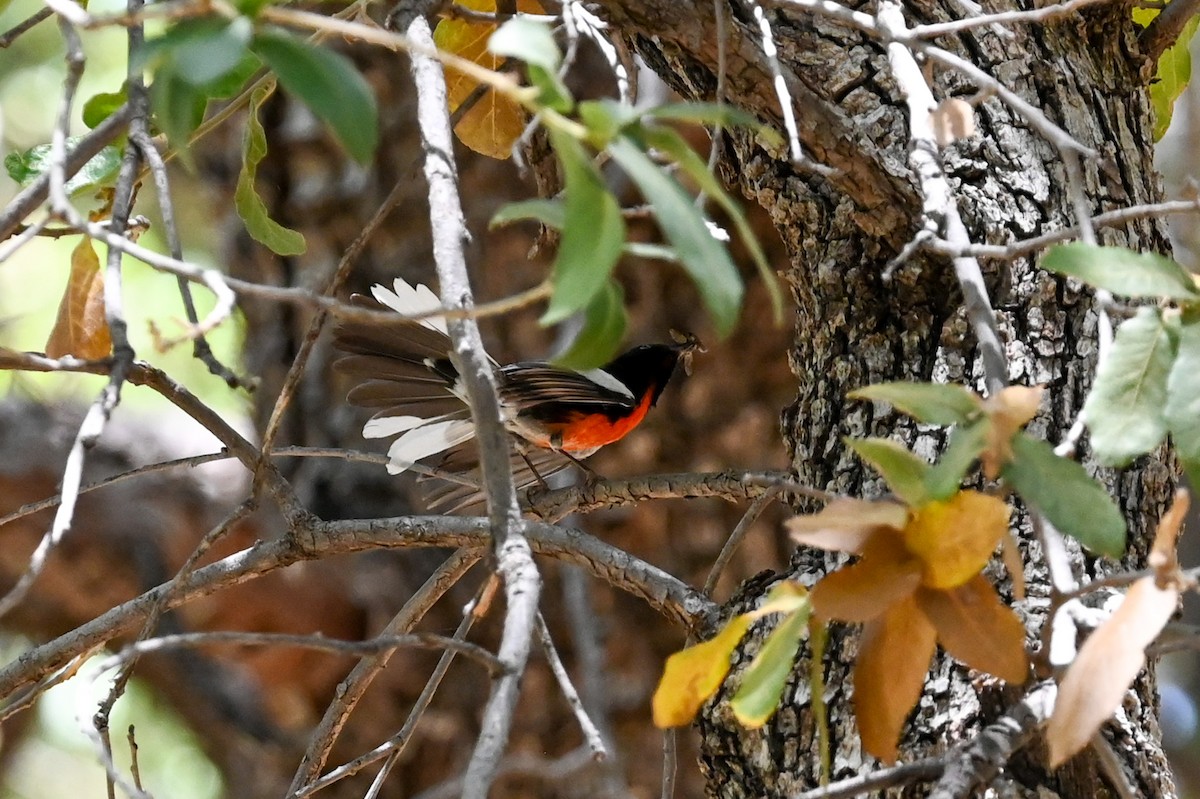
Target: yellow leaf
844, 525
495, 122
955, 538
784, 597
694, 674
893, 659
80, 328
886, 574
1106, 666
975, 627
1008, 412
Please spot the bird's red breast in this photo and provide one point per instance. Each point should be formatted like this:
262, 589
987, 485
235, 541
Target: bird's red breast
585, 432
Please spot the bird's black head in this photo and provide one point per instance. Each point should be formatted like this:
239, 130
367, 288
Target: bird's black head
649, 367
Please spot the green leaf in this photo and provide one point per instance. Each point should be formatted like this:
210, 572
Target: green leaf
592, 234
1122, 271
26, 167
178, 106
533, 43
250, 207
199, 51
328, 83
762, 685
670, 142
1171, 78
528, 40
100, 107
551, 213
657, 252
904, 472
603, 328
1062, 490
1182, 410
604, 119
966, 444
714, 114
931, 403
1124, 410
702, 256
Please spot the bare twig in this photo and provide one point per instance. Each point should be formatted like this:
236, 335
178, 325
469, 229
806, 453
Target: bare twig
904, 774
352, 688
1166, 28
935, 29
24, 26
595, 741
751, 515
514, 560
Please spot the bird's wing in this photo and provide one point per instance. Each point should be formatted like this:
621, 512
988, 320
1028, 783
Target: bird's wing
527, 385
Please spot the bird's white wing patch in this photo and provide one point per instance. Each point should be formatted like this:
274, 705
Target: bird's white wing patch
604, 379
429, 439
390, 426
411, 301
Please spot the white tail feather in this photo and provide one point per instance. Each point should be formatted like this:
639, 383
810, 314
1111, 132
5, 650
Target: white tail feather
391, 426
411, 301
426, 440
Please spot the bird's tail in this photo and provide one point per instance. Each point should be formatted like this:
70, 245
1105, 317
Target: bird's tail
406, 375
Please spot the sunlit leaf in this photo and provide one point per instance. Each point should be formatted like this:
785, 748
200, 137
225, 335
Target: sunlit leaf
603, 328
694, 674
1173, 73
100, 107
592, 236
893, 660
763, 683
80, 329
844, 525
1182, 409
786, 596
904, 472
492, 125
250, 207
703, 257
954, 539
976, 628
1124, 410
1062, 490
26, 167
1122, 271
931, 403
329, 84
1106, 666
886, 573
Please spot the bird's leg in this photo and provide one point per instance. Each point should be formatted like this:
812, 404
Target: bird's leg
590, 475
542, 484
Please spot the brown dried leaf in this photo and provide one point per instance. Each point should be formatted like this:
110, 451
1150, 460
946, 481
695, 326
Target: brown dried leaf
1106, 666
893, 660
495, 122
955, 538
1008, 411
975, 627
844, 525
1164, 557
886, 574
80, 328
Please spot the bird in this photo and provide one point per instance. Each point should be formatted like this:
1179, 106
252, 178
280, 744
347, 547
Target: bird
407, 374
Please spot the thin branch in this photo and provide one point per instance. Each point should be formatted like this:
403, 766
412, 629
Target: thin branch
24, 26
514, 560
935, 29
1166, 28
314, 642
748, 519
394, 746
313, 539
767, 42
355, 684
1112, 768
595, 741
525, 765
925, 770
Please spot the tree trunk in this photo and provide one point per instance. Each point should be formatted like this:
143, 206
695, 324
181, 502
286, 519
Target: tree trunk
855, 328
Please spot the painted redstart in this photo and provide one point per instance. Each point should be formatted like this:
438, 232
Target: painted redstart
557, 415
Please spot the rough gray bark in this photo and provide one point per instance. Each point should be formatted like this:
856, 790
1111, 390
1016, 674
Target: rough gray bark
853, 329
